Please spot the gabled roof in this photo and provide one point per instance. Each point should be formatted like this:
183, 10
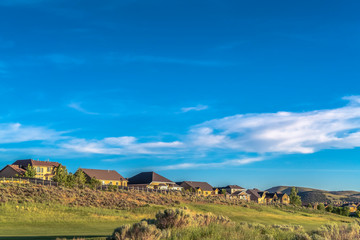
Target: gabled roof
253, 192
280, 195
270, 195
234, 187
204, 186
147, 178
24, 163
240, 192
103, 174
16, 168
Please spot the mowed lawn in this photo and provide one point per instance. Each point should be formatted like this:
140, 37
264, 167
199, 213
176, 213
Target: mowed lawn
51, 220
272, 215
58, 220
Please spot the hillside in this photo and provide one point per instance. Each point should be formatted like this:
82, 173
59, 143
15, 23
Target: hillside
48, 212
317, 195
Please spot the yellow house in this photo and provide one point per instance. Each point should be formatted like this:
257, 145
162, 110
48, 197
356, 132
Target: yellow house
152, 180
44, 169
283, 198
257, 196
106, 177
201, 188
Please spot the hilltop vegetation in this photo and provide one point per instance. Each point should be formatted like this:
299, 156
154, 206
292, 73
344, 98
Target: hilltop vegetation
52, 211
310, 195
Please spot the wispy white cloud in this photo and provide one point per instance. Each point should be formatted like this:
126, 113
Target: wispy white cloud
283, 132
196, 108
78, 107
120, 146
16, 133
228, 163
256, 135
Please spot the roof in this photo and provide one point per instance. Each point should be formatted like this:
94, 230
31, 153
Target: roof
270, 195
234, 187
280, 195
204, 186
26, 162
16, 168
253, 192
148, 177
238, 193
103, 174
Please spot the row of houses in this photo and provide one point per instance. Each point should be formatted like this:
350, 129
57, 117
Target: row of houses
146, 180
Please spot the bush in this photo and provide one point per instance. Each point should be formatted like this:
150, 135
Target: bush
338, 232
153, 229
137, 231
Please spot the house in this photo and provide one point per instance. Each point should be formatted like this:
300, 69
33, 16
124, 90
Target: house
44, 169
106, 177
230, 189
352, 207
256, 195
201, 188
241, 194
283, 198
269, 197
12, 171
152, 180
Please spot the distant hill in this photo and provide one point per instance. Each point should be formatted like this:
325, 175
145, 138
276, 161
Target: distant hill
309, 195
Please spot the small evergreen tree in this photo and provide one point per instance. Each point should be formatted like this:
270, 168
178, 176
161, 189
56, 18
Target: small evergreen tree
330, 208
321, 207
309, 205
345, 211
223, 191
30, 172
94, 183
295, 199
61, 175
80, 178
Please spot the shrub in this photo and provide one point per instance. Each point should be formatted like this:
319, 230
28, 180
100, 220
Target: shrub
137, 231
338, 232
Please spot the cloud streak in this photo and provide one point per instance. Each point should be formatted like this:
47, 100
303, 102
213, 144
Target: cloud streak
283, 132
256, 137
79, 108
196, 108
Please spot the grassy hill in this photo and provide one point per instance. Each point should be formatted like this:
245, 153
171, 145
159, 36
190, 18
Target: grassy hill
43, 212
317, 195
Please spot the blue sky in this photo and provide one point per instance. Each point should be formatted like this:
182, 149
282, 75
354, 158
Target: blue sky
254, 93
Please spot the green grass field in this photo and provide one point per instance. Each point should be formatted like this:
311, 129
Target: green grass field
48, 221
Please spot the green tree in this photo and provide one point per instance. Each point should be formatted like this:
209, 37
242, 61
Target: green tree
321, 207
345, 211
61, 175
330, 208
309, 205
70, 180
94, 183
80, 178
30, 172
223, 191
295, 199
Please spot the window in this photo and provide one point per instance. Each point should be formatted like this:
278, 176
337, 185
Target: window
110, 183
38, 169
49, 169
117, 183
42, 170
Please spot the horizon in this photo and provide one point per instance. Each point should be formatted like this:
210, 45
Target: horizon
222, 92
